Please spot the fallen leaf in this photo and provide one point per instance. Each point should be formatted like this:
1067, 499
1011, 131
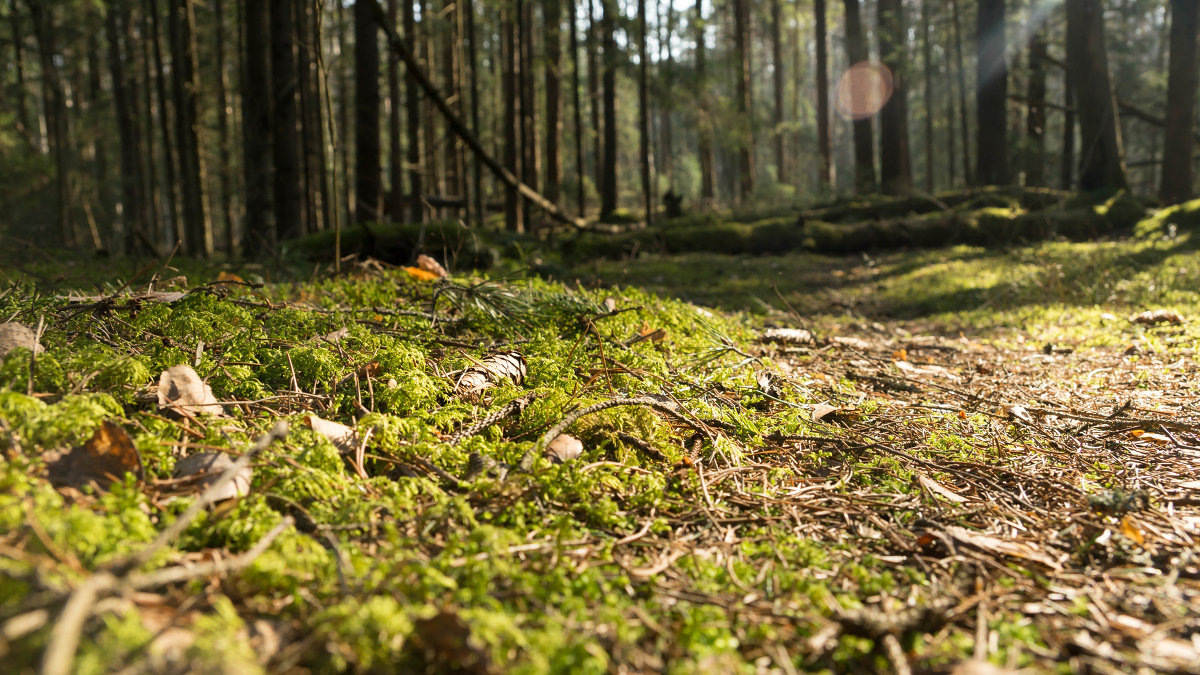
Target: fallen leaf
180, 390
900, 355
564, 448
420, 274
1157, 316
334, 337
940, 490
788, 336
432, 266
104, 459
822, 410
344, 438
1015, 549
1132, 531
229, 276
1019, 412
205, 468
13, 335
610, 305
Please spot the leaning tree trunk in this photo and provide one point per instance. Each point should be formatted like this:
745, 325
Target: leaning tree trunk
864, 137
1181, 104
991, 95
1101, 163
895, 163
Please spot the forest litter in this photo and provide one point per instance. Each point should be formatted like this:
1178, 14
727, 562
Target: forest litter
404, 469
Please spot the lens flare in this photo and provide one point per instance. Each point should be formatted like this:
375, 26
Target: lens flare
863, 90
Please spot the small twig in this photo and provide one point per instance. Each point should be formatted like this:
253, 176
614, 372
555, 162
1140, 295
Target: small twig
509, 409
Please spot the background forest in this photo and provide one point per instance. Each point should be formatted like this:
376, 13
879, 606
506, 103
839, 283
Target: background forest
133, 125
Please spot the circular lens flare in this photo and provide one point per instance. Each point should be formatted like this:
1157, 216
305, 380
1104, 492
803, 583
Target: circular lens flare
864, 89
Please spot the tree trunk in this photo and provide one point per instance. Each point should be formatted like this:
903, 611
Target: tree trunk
895, 163
284, 122
1035, 115
704, 123
577, 111
198, 240
451, 68
1101, 164
312, 137
258, 232
396, 161
593, 87
824, 133
1181, 104
961, 73
864, 137
644, 113
531, 157
777, 83
135, 238
1067, 165
224, 171
509, 18
54, 103
473, 83
29, 131
608, 174
412, 120
98, 139
349, 184
367, 179
741, 50
553, 83
666, 103
991, 95
927, 63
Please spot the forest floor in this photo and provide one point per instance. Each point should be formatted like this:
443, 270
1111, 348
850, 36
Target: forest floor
959, 460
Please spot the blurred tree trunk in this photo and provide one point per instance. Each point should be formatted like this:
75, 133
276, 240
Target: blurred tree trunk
54, 103
530, 151
342, 152
741, 51
927, 63
961, 73
644, 113
134, 238
1101, 164
258, 232
27, 130
864, 137
431, 164
1035, 115
704, 123
1067, 165
513, 220
1181, 104
367, 178
412, 114
667, 103
198, 239
553, 83
895, 162
396, 161
451, 73
777, 140
285, 121
150, 183
593, 89
312, 137
224, 171
824, 138
608, 173
98, 140
473, 83
991, 95
577, 112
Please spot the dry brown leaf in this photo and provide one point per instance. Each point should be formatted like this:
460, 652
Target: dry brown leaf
940, 490
1132, 531
1019, 412
229, 276
205, 468
334, 337
610, 305
104, 459
564, 448
1156, 316
181, 391
14, 335
420, 274
1015, 549
432, 266
822, 410
344, 438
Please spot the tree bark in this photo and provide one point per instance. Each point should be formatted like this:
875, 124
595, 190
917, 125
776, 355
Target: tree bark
577, 111
895, 163
1177, 167
284, 122
412, 118
511, 131
991, 95
824, 133
644, 113
473, 84
777, 83
704, 124
1035, 115
741, 50
927, 63
553, 83
367, 178
29, 131
608, 174
961, 73
593, 96
258, 232
864, 136
396, 160
134, 237
1101, 163
224, 175
1067, 164
54, 103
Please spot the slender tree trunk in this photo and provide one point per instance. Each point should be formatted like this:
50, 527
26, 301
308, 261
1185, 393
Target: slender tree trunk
608, 174
367, 179
951, 150
741, 50
1035, 115
150, 182
927, 63
198, 240
644, 113
452, 74
258, 232
1101, 163
991, 95
824, 137
961, 73
864, 137
473, 83
667, 104
509, 17
413, 122
54, 102
778, 139
224, 171
308, 88
1177, 168
18, 40
580, 165
98, 139
528, 120
349, 184
284, 122
431, 163
593, 86
396, 161
553, 84
895, 163
1067, 164
133, 235
704, 123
